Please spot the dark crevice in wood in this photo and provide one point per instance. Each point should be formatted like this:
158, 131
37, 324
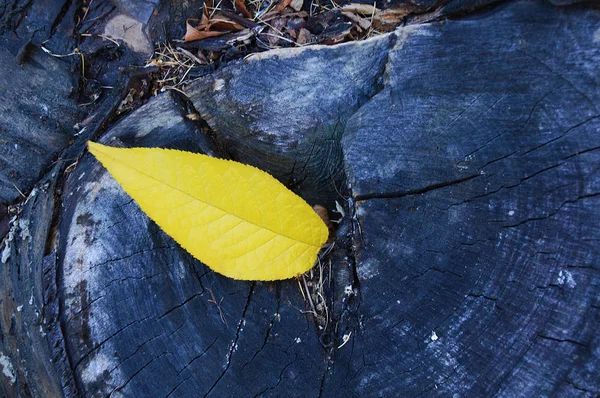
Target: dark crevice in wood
557, 340
63, 11
553, 213
170, 310
234, 343
268, 332
210, 142
418, 191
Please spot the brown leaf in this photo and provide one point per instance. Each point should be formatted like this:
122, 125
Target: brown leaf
273, 37
362, 23
363, 9
282, 5
199, 33
297, 4
388, 20
205, 18
217, 26
272, 15
322, 212
338, 33
241, 7
304, 36
224, 24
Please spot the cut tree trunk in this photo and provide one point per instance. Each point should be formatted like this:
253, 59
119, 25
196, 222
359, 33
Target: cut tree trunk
464, 153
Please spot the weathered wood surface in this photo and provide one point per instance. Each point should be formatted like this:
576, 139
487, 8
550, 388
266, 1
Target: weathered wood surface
467, 262
285, 111
36, 118
475, 172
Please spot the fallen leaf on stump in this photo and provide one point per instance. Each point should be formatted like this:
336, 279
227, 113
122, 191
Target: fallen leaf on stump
235, 218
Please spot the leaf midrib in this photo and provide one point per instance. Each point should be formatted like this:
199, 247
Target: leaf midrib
195, 198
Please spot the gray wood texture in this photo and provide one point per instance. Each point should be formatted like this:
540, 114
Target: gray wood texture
465, 154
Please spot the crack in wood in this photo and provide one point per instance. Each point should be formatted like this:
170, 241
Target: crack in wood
233, 347
417, 191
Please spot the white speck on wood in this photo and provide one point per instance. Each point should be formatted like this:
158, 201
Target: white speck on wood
367, 270
218, 84
565, 277
434, 336
95, 371
6, 251
24, 225
7, 369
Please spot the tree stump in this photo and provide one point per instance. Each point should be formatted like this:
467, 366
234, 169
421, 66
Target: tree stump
462, 154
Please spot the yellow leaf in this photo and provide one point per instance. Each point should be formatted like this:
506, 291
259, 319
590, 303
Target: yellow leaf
235, 218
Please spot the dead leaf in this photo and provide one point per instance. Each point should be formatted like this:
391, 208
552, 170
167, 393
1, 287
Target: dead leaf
337, 34
217, 26
192, 33
272, 15
388, 20
241, 7
322, 212
225, 24
362, 9
304, 36
205, 18
362, 23
297, 4
282, 5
